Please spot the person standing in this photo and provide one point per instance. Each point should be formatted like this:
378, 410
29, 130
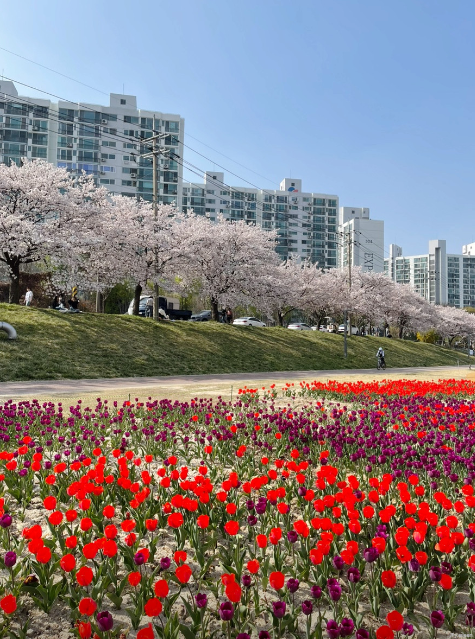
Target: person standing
28, 297
149, 307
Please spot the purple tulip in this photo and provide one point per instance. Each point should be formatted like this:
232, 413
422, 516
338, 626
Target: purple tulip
354, 575
370, 555
414, 565
104, 621
165, 563
446, 567
346, 627
307, 607
139, 558
435, 573
362, 633
333, 629
437, 618
226, 611
316, 592
279, 608
243, 635
246, 581
335, 593
470, 614
6, 521
201, 600
263, 634
292, 536
338, 562
10, 559
292, 585
408, 629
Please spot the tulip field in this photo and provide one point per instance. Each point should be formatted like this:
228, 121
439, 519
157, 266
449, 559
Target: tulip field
317, 510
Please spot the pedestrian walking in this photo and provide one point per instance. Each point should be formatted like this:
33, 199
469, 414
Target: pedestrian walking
28, 297
229, 316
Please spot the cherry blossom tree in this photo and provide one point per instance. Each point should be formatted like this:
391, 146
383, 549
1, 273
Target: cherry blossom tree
43, 211
229, 260
129, 243
451, 322
285, 287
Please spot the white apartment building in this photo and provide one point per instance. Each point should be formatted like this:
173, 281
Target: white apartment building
103, 141
439, 277
361, 239
306, 223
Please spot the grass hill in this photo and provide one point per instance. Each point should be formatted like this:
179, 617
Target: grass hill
53, 345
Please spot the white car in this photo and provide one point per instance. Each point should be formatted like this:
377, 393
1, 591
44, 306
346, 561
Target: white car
248, 321
354, 329
299, 326
321, 328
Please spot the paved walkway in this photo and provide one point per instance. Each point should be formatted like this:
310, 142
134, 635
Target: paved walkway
192, 383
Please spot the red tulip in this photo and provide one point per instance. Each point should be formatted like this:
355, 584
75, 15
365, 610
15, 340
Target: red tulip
84, 629
161, 588
146, 633
276, 580
87, 606
253, 566
384, 632
232, 528
175, 520
134, 579
388, 578
8, 604
68, 563
203, 521
84, 576
395, 620
183, 573
153, 607
233, 592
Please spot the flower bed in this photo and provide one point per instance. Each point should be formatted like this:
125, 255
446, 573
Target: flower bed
251, 519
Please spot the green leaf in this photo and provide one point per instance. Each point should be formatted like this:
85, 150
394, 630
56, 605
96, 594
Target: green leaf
187, 632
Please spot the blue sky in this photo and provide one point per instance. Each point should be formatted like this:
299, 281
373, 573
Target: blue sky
373, 100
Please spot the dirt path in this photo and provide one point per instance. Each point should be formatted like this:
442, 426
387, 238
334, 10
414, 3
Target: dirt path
183, 388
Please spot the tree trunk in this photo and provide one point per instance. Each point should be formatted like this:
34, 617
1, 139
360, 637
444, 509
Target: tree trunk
137, 293
215, 310
401, 332
14, 290
99, 302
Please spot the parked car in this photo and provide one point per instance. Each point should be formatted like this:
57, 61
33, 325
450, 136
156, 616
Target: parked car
299, 326
202, 316
248, 321
354, 329
331, 328
321, 328
166, 311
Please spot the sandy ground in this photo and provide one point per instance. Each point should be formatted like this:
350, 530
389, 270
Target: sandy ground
187, 387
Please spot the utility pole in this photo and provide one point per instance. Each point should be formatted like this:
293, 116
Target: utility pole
154, 153
347, 316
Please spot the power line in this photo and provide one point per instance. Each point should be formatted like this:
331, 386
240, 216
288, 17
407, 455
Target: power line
52, 70
105, 93
122, 120
142, 141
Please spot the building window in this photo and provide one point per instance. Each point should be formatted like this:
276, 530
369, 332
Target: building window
122, 101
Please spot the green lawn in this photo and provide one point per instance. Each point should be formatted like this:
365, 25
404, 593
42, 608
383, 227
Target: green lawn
53, 345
